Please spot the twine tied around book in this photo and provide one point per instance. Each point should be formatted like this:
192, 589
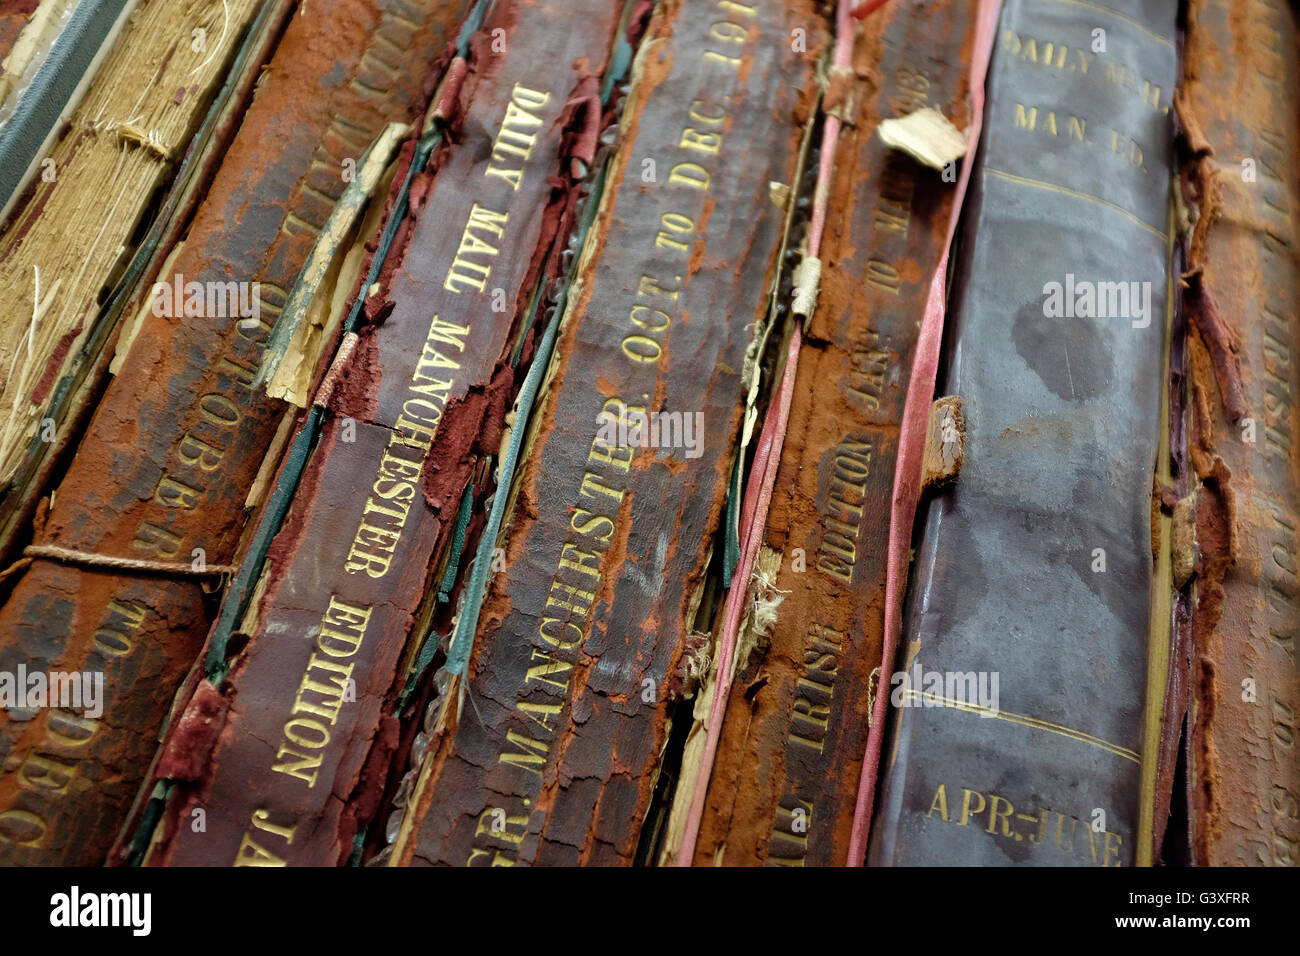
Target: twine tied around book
91, 559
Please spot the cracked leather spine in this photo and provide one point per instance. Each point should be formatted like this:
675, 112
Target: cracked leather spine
1019, 690
302, 746
553, 756
786, 774
144, 482
1241, 692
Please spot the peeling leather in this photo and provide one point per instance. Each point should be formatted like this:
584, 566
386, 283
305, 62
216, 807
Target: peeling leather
850, 387
54, 611
587, 801
1241, 84
307, 560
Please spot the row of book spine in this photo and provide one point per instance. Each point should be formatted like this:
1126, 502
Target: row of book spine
376, 574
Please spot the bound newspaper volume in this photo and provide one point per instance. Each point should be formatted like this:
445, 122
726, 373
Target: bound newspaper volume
1020, 684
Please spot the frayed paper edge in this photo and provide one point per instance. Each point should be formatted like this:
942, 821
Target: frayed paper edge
927, 136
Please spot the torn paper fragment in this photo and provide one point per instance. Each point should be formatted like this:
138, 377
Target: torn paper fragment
807, 283
927, 136
779, 193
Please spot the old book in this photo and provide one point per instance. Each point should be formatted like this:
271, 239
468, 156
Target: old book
179, 437
50, 52
72, 395
1019, 689
1236, 694
783, 784
74, 227
298, 759
550, 755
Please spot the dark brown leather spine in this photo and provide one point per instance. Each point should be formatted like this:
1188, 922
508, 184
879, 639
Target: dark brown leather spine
786, 775
1241, 84
178, 438
552, 758
293, 766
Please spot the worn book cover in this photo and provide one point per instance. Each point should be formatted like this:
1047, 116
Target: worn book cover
299, 753
1019, 691
581, 643
179, 437
786, 776
1235, 683
647, 433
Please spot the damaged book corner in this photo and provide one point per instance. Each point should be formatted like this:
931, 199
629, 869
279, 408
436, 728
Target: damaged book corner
649, 433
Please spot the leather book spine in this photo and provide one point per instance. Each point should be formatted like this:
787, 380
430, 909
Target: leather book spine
76, 224
294, 758
72, 397
178, 438
553, 755
1018, 698
785, 778
1241, 83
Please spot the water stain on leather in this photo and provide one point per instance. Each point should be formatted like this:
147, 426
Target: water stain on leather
1046, 344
